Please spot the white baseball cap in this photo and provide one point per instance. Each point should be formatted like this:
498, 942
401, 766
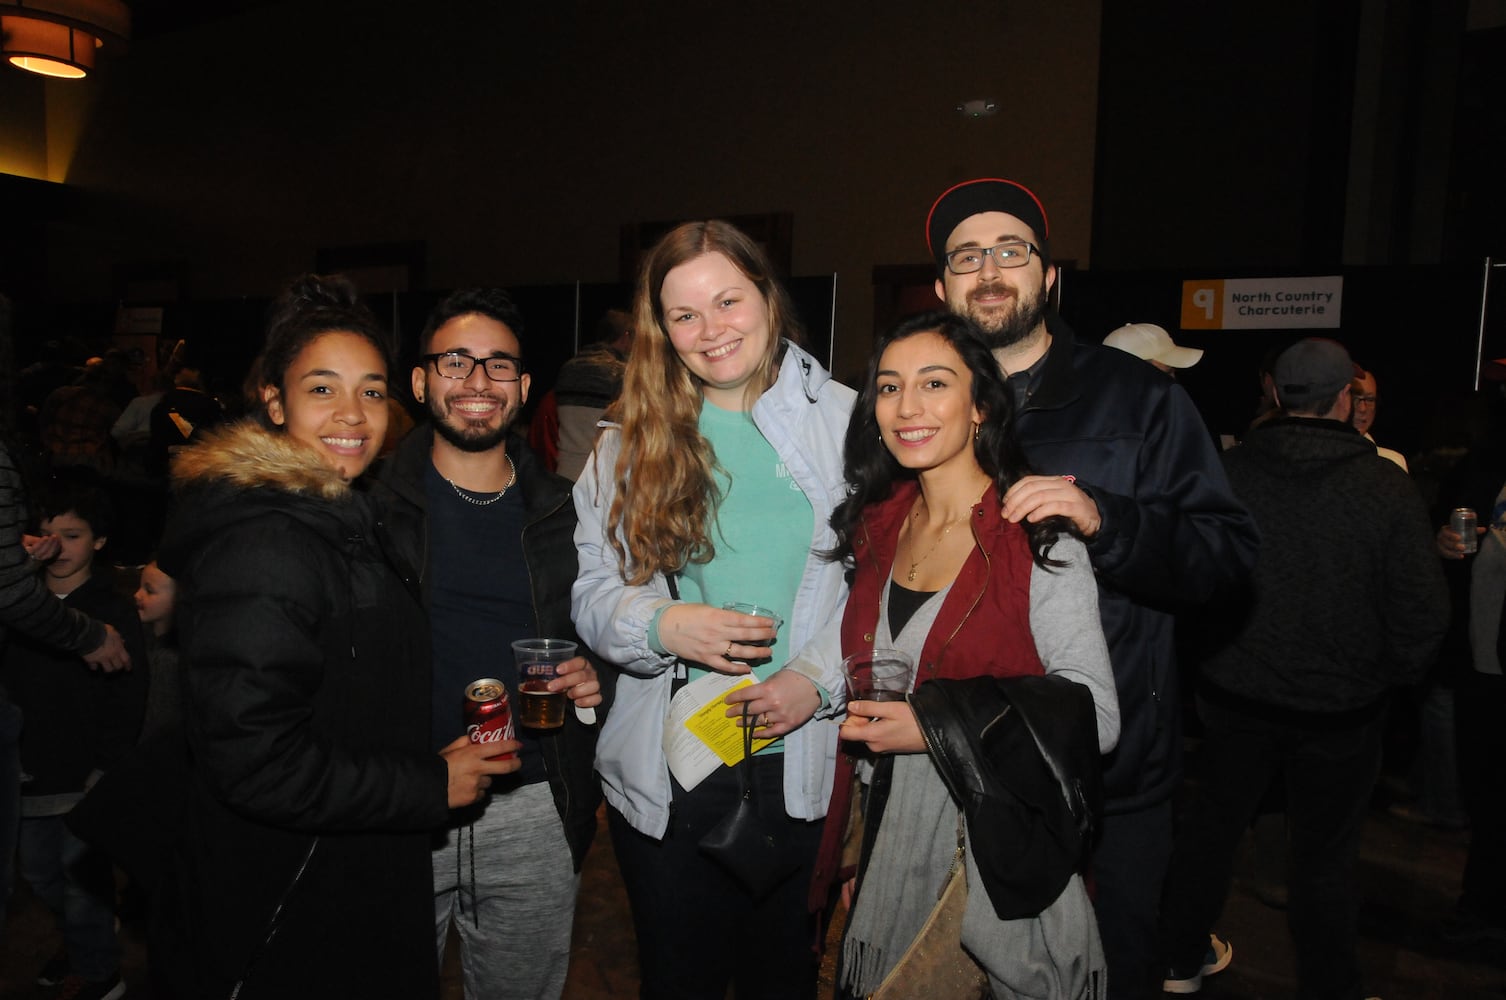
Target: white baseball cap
1149, 342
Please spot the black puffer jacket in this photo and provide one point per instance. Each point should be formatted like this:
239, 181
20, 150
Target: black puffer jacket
313, 789
549, 549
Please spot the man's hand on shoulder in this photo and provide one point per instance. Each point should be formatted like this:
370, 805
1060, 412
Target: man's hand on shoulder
1035, 498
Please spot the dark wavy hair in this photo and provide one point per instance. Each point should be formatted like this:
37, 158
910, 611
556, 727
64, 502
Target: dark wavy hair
871, 471
493, 303
311, 306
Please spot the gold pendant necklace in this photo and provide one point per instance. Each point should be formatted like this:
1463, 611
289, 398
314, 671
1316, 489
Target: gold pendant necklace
910, 576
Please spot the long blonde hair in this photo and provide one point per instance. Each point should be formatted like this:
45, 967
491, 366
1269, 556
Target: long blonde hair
666, 497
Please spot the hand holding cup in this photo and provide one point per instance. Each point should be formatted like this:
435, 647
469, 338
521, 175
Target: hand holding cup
878, 675
541, 702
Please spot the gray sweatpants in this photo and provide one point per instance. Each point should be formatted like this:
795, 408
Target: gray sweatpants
515, 925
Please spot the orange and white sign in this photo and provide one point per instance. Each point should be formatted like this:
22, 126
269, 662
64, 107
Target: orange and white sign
1262, 303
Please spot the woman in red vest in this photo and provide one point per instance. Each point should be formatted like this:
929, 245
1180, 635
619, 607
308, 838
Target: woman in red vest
941, 575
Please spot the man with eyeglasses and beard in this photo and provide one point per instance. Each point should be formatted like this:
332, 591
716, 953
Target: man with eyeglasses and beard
490, 532
1121, 451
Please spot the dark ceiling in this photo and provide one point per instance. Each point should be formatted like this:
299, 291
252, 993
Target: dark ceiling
150, 18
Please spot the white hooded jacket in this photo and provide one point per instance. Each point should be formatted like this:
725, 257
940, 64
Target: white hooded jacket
804, 416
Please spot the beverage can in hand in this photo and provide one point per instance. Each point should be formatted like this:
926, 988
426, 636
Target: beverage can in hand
488, 713
1463, 522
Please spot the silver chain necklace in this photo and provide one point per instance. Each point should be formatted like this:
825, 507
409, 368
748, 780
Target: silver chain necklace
462, 494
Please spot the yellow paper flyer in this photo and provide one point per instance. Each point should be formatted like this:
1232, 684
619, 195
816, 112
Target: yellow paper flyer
698, 736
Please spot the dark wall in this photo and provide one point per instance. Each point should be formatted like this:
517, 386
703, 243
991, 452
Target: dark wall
1221, 128
1477, 205
514, 141
1246, 134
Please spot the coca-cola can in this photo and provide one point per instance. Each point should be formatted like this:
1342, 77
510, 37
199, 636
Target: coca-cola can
488, 713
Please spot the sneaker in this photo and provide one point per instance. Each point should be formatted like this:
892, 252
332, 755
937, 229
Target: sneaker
1220, 953
55, 971
79, 988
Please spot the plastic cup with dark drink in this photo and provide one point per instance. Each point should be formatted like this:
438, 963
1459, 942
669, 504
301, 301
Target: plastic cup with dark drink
538, 664
878, 675
758, 610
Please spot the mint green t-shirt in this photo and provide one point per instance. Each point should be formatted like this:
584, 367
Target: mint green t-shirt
763, 530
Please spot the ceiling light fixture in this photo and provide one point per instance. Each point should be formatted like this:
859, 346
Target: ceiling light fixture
977, 109
58, 37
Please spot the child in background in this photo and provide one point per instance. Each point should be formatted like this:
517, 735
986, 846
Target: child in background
155, 598
78, 721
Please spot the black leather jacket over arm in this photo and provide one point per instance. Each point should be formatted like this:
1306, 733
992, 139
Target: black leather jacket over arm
1020, 754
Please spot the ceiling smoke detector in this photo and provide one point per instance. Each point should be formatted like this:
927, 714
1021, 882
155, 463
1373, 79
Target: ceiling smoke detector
977, 109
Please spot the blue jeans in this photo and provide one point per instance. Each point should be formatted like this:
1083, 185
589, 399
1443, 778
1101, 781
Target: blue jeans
10, 794
78, 885
1328, 774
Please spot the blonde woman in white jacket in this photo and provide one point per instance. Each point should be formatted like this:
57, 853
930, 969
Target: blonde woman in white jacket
718, 480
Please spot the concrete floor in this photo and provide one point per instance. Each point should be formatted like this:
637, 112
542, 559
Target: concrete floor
1410, 875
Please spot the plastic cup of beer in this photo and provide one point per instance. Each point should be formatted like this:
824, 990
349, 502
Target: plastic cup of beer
746, 608
878, 675
538, 664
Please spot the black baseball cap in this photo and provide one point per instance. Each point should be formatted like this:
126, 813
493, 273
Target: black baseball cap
985, 194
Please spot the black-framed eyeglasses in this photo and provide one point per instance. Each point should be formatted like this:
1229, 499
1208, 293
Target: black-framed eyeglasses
458, 365
969, 259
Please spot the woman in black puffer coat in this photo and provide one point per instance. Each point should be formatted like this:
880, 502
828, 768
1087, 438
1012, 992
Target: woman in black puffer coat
302, 864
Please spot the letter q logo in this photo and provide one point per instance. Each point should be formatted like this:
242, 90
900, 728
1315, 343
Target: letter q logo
1203, 305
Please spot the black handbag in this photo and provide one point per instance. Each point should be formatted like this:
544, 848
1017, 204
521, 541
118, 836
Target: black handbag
752, 850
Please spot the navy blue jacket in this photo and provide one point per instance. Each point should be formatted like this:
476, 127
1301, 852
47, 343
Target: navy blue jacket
1173, 534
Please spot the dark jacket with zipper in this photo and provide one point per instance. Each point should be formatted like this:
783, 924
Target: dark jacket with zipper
549, 552
1173, 535
302, 864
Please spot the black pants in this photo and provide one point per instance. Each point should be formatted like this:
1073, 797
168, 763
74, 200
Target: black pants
1328, 775
697, 929
1129, 866
1480, 712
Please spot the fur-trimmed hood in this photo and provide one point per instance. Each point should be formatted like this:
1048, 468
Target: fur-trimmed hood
245, 472
246, 456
